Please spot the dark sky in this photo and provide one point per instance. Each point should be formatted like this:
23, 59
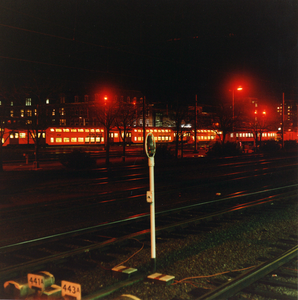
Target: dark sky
166, 49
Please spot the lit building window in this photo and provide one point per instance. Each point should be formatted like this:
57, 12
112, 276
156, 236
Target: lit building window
11, 103
62, 99
11, 113
47, 101
63, 122
28, 102
61, 111
22, 113
53, 112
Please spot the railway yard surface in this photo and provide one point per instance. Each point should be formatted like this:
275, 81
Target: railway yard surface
216, 219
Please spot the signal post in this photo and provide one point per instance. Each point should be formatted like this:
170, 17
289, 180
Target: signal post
150, 147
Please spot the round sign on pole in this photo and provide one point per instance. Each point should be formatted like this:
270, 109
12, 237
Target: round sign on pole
150, 145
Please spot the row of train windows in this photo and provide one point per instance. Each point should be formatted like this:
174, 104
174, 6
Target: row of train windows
251, 135
91, 139
153, 130
22, 135
204, 137
76, 130
159, 138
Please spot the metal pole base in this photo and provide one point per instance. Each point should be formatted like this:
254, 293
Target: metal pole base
153, 265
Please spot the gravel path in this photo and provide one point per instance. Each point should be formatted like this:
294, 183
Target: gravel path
233, 246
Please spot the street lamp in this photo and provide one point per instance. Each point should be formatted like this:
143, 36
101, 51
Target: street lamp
239, 88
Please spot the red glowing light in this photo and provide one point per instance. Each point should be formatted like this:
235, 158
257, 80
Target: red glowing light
239, 88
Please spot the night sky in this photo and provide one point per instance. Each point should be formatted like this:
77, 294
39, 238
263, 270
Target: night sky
168, 50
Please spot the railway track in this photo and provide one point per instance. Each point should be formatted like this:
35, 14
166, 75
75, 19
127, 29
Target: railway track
129, 192
99, 241
268, 280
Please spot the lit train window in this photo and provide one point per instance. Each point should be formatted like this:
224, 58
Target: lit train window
102, 139
135, 138
80, 130
81, 140
97, 130
140, 130
52, 129
65, 129
73, 130
11, 136
92, 139
155, 130
52, 140
170, 138
66, 140
87, 139
159, 138
58, 140
73, 139
22, 135
163, 138
135, 130
86, 130
167, 130
265, 134
102, 130
147, 130
98, 139
92, 130
116, 134
58, 130
167, 138
231, 135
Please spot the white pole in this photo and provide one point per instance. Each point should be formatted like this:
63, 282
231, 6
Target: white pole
152, 212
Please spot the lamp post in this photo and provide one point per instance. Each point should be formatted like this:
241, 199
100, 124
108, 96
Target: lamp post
106, 135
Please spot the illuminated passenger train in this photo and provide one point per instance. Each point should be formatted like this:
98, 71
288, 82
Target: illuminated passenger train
61, 136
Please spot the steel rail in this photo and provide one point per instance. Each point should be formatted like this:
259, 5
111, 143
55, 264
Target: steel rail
32, 265
229, 289
53, 237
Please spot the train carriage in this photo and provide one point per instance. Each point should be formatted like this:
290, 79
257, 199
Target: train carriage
57, 136
161, 134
